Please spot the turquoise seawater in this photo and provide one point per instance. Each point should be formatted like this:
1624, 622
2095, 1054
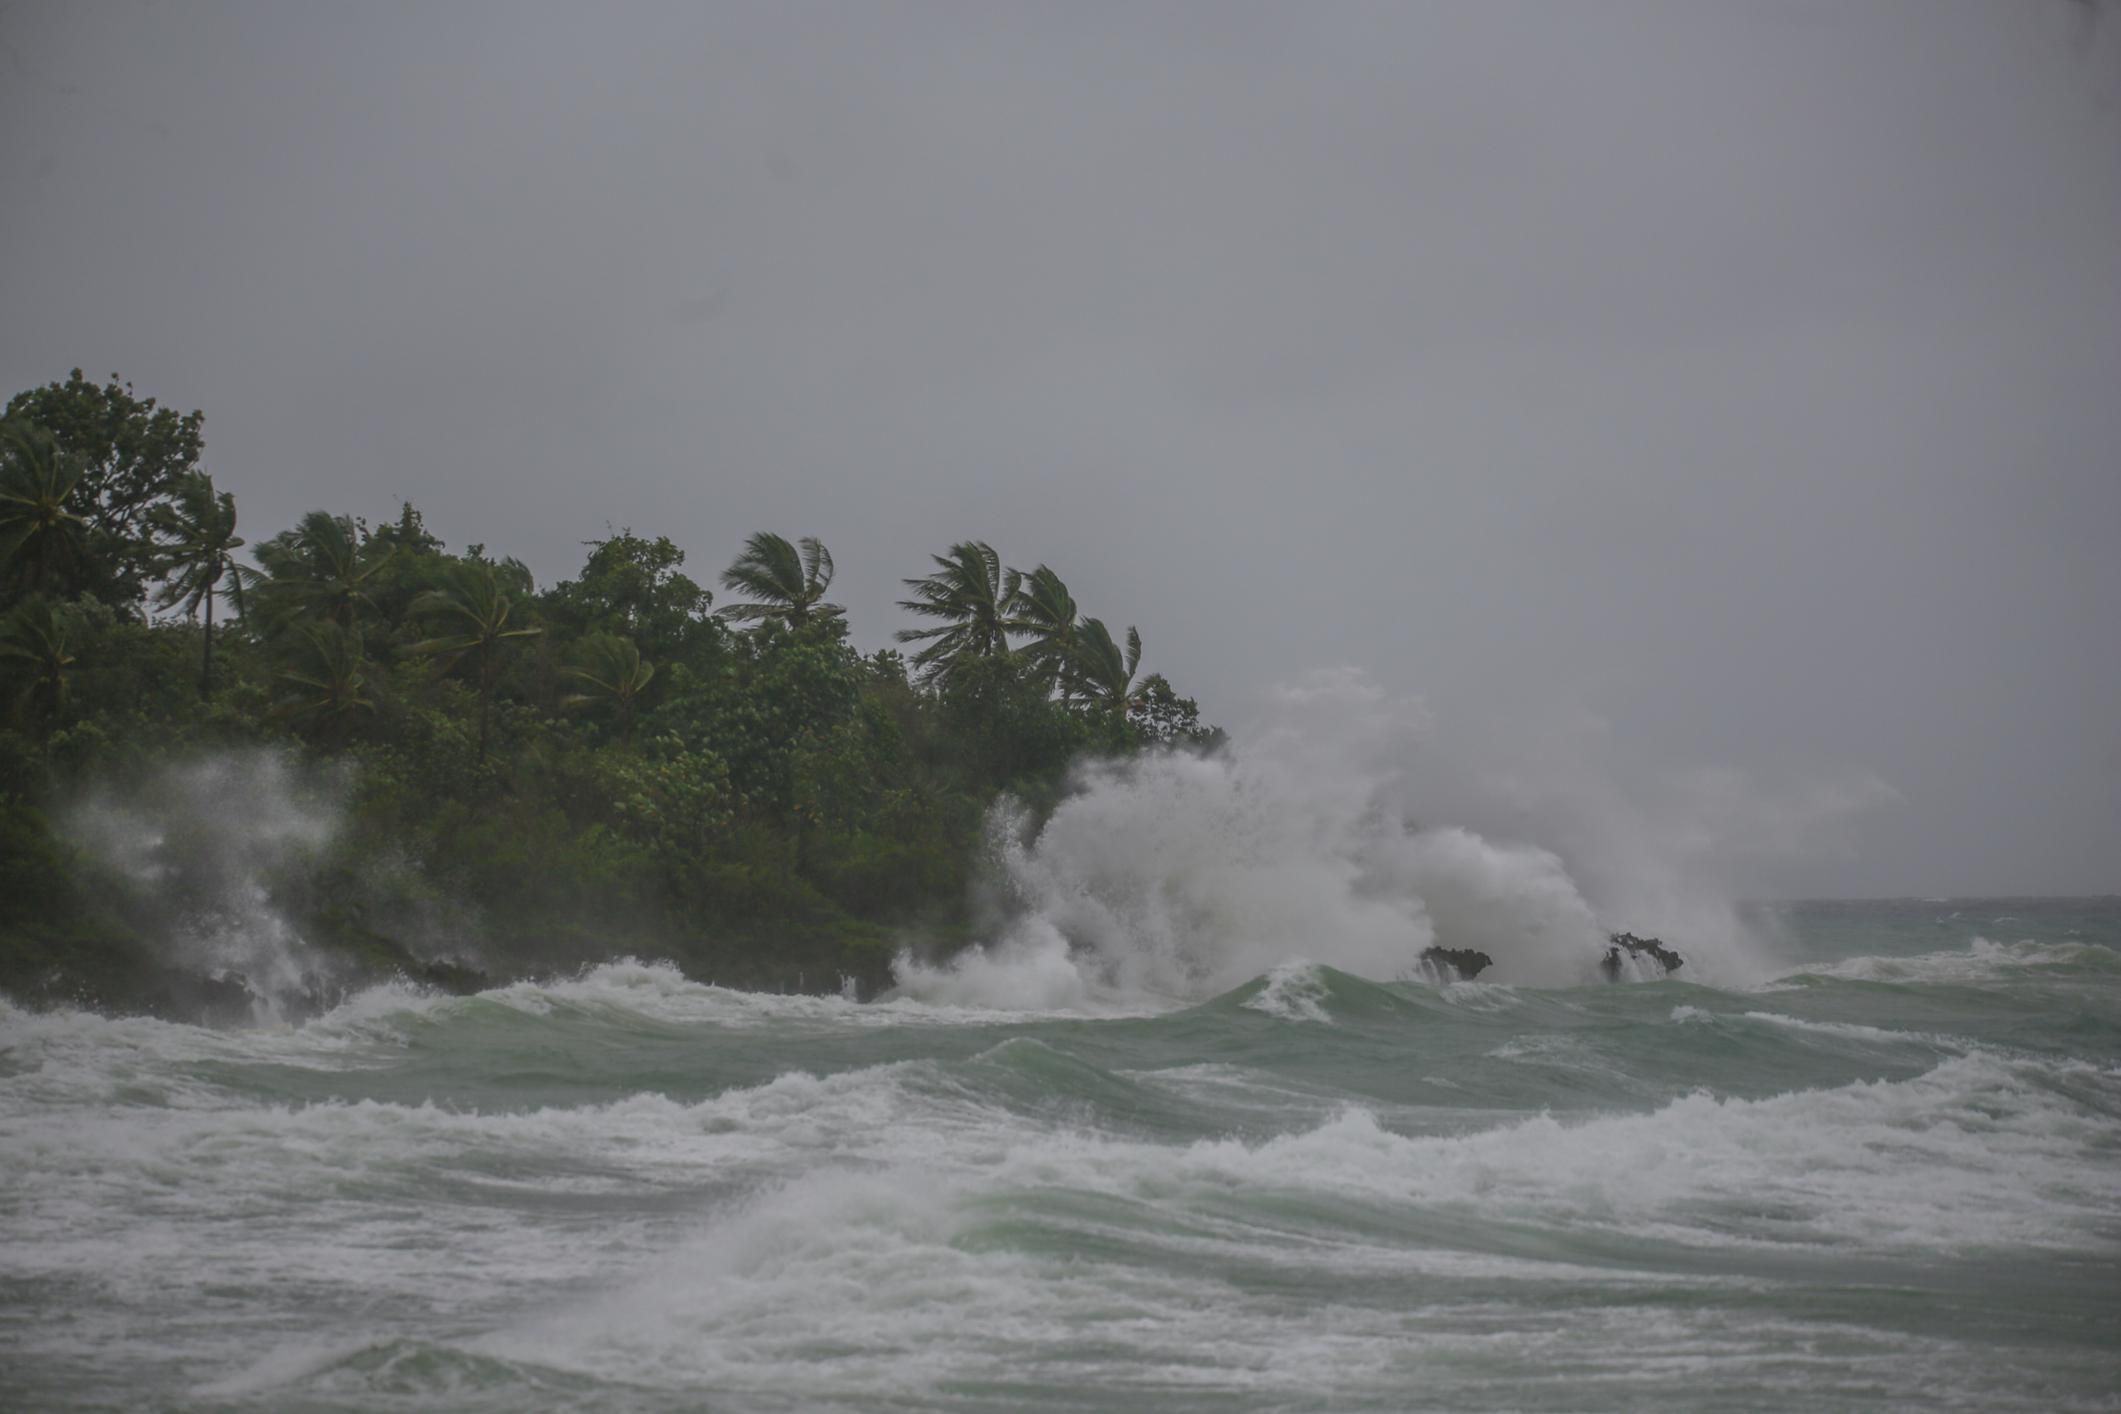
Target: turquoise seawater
1885, 1175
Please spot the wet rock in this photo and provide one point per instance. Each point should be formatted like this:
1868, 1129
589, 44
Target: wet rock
447, 975
201, 1000
1456, 964
1626, 947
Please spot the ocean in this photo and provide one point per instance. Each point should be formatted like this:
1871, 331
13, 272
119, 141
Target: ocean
1882, 1171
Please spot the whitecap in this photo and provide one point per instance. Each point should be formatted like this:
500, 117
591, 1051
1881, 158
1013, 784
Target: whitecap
1293, 991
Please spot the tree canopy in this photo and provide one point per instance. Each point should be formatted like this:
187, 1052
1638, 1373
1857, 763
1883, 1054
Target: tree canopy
603, 767
786, 584
128, 455
971, 594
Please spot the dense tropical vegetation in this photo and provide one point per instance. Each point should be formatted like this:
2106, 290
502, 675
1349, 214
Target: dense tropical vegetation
523, 779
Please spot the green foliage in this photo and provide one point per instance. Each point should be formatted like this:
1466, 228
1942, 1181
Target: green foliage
604, 768
612, 674
128, 456
473, 607
1161, 718
786, 585
676, 802
1043, 608
324, 684
777, 689
197, 533
58, 943
1099, 674
1003, 730
39, 642
43, 542
971, 594
317, 570
402, 562
631, 588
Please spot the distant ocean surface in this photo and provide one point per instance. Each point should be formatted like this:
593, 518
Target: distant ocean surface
1886, 1175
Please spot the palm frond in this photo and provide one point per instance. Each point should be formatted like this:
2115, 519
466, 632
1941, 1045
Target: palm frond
1099, 672
37, 530
817, 564
971, 591
786, 581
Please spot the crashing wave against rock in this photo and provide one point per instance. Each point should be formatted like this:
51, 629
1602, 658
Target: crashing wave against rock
1456, 964
1625, 953
1627, 947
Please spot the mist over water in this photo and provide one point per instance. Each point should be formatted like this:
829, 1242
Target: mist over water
1883, 1178
1193, 1131
1710, 406
207, 849
1170, 878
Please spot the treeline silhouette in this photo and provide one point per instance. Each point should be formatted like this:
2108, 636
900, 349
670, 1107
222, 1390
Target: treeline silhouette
613, 765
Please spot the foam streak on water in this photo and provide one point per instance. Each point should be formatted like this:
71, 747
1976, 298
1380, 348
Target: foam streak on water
1888, 1177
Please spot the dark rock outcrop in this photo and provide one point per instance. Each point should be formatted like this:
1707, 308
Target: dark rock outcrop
202, 1000
1628, 945
1456, 964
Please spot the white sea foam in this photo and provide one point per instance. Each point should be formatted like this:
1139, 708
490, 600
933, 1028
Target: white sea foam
1293, 991
740, 1241
1972, 1154
1173, 877
1846, 1030
1855, 1031
206, 840
658, 991
1981, 960
1480, 996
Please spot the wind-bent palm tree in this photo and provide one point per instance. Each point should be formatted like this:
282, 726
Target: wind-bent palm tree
476, 605
324, 684
40, 636
197, 530
38, 533
784, 584
971, 593
1043, 608
615, 671
1100, 675
317, 568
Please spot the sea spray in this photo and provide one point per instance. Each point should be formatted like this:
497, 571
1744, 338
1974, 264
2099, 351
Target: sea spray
625, 1190
205, 850
1659, 848
1173, 876
1293, 991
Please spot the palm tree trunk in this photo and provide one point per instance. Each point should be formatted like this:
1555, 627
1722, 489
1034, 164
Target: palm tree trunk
206, 667
485, 695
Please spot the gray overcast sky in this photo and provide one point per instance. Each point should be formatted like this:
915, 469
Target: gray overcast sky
1730, 393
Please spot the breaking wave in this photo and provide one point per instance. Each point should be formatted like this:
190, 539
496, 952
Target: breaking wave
1174, 877
624, 1188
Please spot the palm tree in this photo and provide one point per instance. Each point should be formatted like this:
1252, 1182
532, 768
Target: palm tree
477, 606
1043, 608
37, 532
1100, 675
784, 584
616, 672
325, 683
971, 593
197, 529
40, 635
317, 568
